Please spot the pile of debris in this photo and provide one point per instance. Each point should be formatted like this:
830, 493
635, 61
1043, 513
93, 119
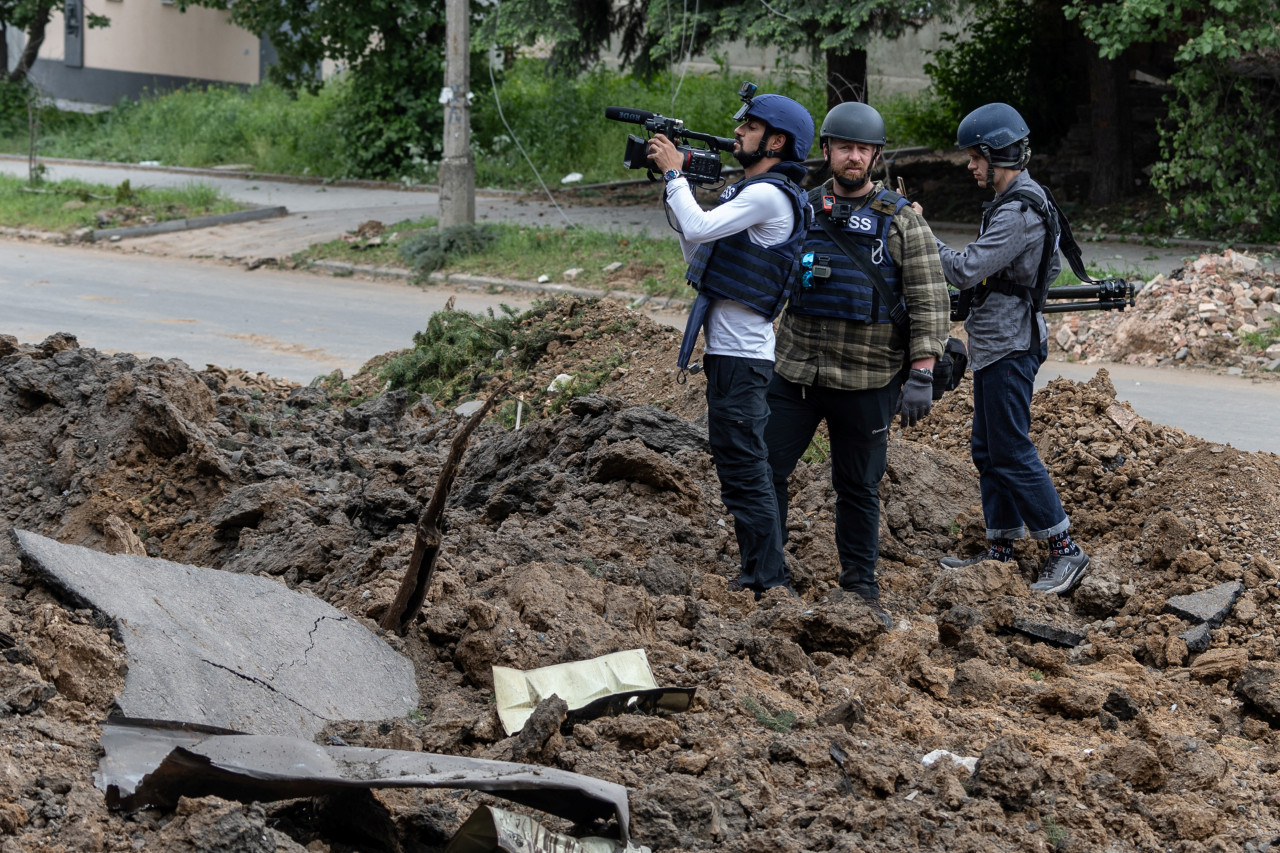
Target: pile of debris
1140, 712
1220, 311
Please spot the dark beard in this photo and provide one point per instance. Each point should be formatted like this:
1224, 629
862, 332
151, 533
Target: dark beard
851, 185
747, 160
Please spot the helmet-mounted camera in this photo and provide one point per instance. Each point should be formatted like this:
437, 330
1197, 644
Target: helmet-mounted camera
746, 91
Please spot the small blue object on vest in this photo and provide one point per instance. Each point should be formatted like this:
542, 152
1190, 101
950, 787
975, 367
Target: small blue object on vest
847, 290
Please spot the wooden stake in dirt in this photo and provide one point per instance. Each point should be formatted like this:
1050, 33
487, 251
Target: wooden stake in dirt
426, 543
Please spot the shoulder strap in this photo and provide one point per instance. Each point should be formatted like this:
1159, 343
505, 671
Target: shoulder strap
1067, 241
801, 202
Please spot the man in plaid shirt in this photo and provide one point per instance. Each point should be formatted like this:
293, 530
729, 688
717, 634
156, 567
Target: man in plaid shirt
840, 355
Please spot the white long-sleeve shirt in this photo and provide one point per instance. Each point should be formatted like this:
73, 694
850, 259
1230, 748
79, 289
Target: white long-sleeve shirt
765, 213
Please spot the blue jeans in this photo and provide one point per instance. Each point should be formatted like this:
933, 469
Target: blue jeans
858, 423
1017, 493
736, 418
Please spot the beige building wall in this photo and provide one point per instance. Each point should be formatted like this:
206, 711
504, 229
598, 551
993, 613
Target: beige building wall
55, 45
893, 67
152, 37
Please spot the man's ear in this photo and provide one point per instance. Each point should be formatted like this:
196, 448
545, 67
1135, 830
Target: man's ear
777, 141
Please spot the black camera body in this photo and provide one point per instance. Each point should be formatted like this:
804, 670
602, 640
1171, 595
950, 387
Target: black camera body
701, 165
837, 211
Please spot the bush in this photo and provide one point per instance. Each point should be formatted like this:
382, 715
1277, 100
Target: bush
1016, 52
13, 108
1220, 173
428, 251
263, 126
560, 123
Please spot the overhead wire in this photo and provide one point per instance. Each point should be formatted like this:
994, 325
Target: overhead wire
497, 101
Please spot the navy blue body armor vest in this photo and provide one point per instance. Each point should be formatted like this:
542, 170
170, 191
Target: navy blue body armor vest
847, 292
738, 269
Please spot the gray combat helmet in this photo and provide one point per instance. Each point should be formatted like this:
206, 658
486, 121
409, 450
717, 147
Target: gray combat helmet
998, 131
855, 122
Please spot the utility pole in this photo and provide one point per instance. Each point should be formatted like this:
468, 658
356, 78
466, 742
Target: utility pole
457, 169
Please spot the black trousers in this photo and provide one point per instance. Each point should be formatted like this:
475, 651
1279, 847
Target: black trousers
736, 418
858, 423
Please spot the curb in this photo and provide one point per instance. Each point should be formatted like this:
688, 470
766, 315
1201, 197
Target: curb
633, 300
189, 224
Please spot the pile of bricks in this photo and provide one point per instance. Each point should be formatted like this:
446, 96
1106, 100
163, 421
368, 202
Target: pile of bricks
1220, 311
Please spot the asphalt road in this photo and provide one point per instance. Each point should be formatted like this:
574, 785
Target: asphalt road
321, 212
292, 325
155, 298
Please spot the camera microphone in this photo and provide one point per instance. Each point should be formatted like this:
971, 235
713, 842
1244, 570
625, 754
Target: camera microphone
628, 114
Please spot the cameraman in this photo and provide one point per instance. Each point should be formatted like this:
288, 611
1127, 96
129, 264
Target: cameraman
841, 358
740, 256
1005, 273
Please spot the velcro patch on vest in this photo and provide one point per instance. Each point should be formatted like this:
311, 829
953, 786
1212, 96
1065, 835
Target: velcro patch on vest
882, 205
859, 224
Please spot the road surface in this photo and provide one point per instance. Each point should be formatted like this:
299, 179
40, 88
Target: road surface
297, 325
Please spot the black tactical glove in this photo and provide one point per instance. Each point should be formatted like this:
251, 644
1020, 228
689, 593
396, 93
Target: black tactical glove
917, 397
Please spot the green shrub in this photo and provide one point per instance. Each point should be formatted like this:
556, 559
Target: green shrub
560, 123
263, 126
1016, 52
13, 108
428, 251
920, 119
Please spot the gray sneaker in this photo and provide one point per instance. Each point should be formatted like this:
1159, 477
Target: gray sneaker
960, 563
1062, 573
877, 609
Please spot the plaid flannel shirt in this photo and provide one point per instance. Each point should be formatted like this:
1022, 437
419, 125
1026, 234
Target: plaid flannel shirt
833, 353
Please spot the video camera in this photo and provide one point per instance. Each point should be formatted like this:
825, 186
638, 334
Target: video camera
1109, 294
701, 165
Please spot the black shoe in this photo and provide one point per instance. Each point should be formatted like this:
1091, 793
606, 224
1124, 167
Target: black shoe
880, 612
960, 563
1062, 573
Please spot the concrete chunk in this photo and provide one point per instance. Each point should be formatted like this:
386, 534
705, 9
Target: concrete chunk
233, 651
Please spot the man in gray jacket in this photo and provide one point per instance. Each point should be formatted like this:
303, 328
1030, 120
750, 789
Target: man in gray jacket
1003, 276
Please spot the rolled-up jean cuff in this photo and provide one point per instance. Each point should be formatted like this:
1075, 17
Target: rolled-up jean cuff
1007, 533
1049, 533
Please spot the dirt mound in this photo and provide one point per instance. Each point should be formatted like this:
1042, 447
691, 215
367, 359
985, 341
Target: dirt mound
1099, 721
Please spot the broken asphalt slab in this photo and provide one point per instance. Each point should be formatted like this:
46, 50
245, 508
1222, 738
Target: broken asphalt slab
232, 651
1208, 606
154, 764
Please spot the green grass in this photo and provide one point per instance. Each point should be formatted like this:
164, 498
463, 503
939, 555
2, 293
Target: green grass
263, 127
1129, 273
65, 206
783, 721
559, 123
1263, 338
653, 265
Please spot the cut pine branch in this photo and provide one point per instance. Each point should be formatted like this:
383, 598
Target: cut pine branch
426, 543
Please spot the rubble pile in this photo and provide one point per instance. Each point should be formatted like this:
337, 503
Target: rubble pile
1220, 311
1138, 713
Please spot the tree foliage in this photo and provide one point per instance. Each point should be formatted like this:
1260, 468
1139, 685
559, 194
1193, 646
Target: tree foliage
1218, 171
1012, 51
32, 18
654, 34
393, 53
